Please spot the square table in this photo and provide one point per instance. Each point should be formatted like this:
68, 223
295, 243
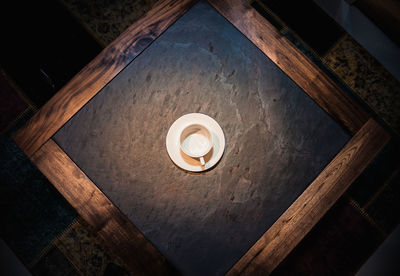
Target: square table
294, 141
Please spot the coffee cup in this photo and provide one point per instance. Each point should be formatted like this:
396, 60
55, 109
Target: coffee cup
196, 141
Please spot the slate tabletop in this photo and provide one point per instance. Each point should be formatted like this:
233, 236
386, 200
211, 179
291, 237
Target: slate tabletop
277, 141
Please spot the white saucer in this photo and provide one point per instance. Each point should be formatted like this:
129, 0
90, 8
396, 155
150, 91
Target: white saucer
186, 162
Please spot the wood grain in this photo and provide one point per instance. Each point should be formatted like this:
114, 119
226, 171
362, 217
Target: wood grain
120, 234
127, 159
315, 201
295, 64
95, 208
91, 79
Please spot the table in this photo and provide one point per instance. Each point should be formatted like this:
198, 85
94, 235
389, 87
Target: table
295, 141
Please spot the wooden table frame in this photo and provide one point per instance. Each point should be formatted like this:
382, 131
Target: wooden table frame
119, 233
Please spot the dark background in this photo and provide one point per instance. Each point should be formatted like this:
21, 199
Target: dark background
45, 43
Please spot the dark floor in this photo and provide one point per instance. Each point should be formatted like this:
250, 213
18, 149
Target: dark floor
42, 50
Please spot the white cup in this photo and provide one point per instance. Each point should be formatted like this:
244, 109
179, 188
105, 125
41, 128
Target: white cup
196, 141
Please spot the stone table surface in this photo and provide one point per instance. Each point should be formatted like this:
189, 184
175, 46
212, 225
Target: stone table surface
277, 141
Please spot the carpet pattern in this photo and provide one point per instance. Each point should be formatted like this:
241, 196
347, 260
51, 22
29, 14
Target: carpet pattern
367, 78
106, 19
51, 239
80, 252
35, 213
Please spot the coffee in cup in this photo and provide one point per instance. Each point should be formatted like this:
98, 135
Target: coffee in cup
196, 141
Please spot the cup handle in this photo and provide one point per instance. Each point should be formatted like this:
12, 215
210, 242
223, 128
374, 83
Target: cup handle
202, 161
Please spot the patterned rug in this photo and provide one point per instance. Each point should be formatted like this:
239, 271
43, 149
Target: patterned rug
106, 19
78, 251
51, 239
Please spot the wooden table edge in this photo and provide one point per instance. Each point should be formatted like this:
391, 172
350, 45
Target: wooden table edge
35, 138
99, 212
314, 82
282, 237
264, 256
101, 70
113, 59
